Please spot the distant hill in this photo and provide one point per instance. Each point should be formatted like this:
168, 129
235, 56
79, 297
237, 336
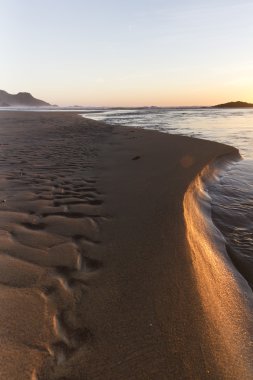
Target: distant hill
22, 99
234, 105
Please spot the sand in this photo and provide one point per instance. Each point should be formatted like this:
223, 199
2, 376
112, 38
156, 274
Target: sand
96, 273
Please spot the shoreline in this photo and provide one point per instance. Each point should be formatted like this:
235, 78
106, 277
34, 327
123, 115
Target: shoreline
116, 284
226, 295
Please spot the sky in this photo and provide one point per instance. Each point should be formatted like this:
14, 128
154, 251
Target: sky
128, 53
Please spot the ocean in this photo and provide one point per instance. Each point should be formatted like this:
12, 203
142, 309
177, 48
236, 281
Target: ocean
231, 194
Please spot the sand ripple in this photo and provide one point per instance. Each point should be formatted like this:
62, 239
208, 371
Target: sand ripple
50, 207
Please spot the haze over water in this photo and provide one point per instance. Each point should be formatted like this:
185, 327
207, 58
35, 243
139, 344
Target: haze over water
232, 194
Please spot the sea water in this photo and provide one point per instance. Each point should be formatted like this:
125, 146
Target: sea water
232, 194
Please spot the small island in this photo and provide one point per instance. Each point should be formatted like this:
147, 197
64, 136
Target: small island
237, 104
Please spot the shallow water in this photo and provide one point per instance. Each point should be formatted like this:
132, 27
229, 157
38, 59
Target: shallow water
232, 127
232, 194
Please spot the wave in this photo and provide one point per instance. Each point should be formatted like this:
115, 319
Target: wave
225, 295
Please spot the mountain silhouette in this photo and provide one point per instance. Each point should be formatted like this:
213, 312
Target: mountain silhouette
22, 99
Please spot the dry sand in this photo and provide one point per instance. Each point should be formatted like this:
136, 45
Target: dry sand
96, 275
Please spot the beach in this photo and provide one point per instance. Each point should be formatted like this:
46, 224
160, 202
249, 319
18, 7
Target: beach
98, 275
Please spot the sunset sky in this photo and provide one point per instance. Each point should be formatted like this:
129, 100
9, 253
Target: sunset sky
135, 52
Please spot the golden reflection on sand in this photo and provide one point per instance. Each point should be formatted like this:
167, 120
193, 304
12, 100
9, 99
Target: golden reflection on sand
224, 301
34, 375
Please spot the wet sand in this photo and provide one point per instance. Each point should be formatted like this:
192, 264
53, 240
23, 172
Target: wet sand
97, 279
